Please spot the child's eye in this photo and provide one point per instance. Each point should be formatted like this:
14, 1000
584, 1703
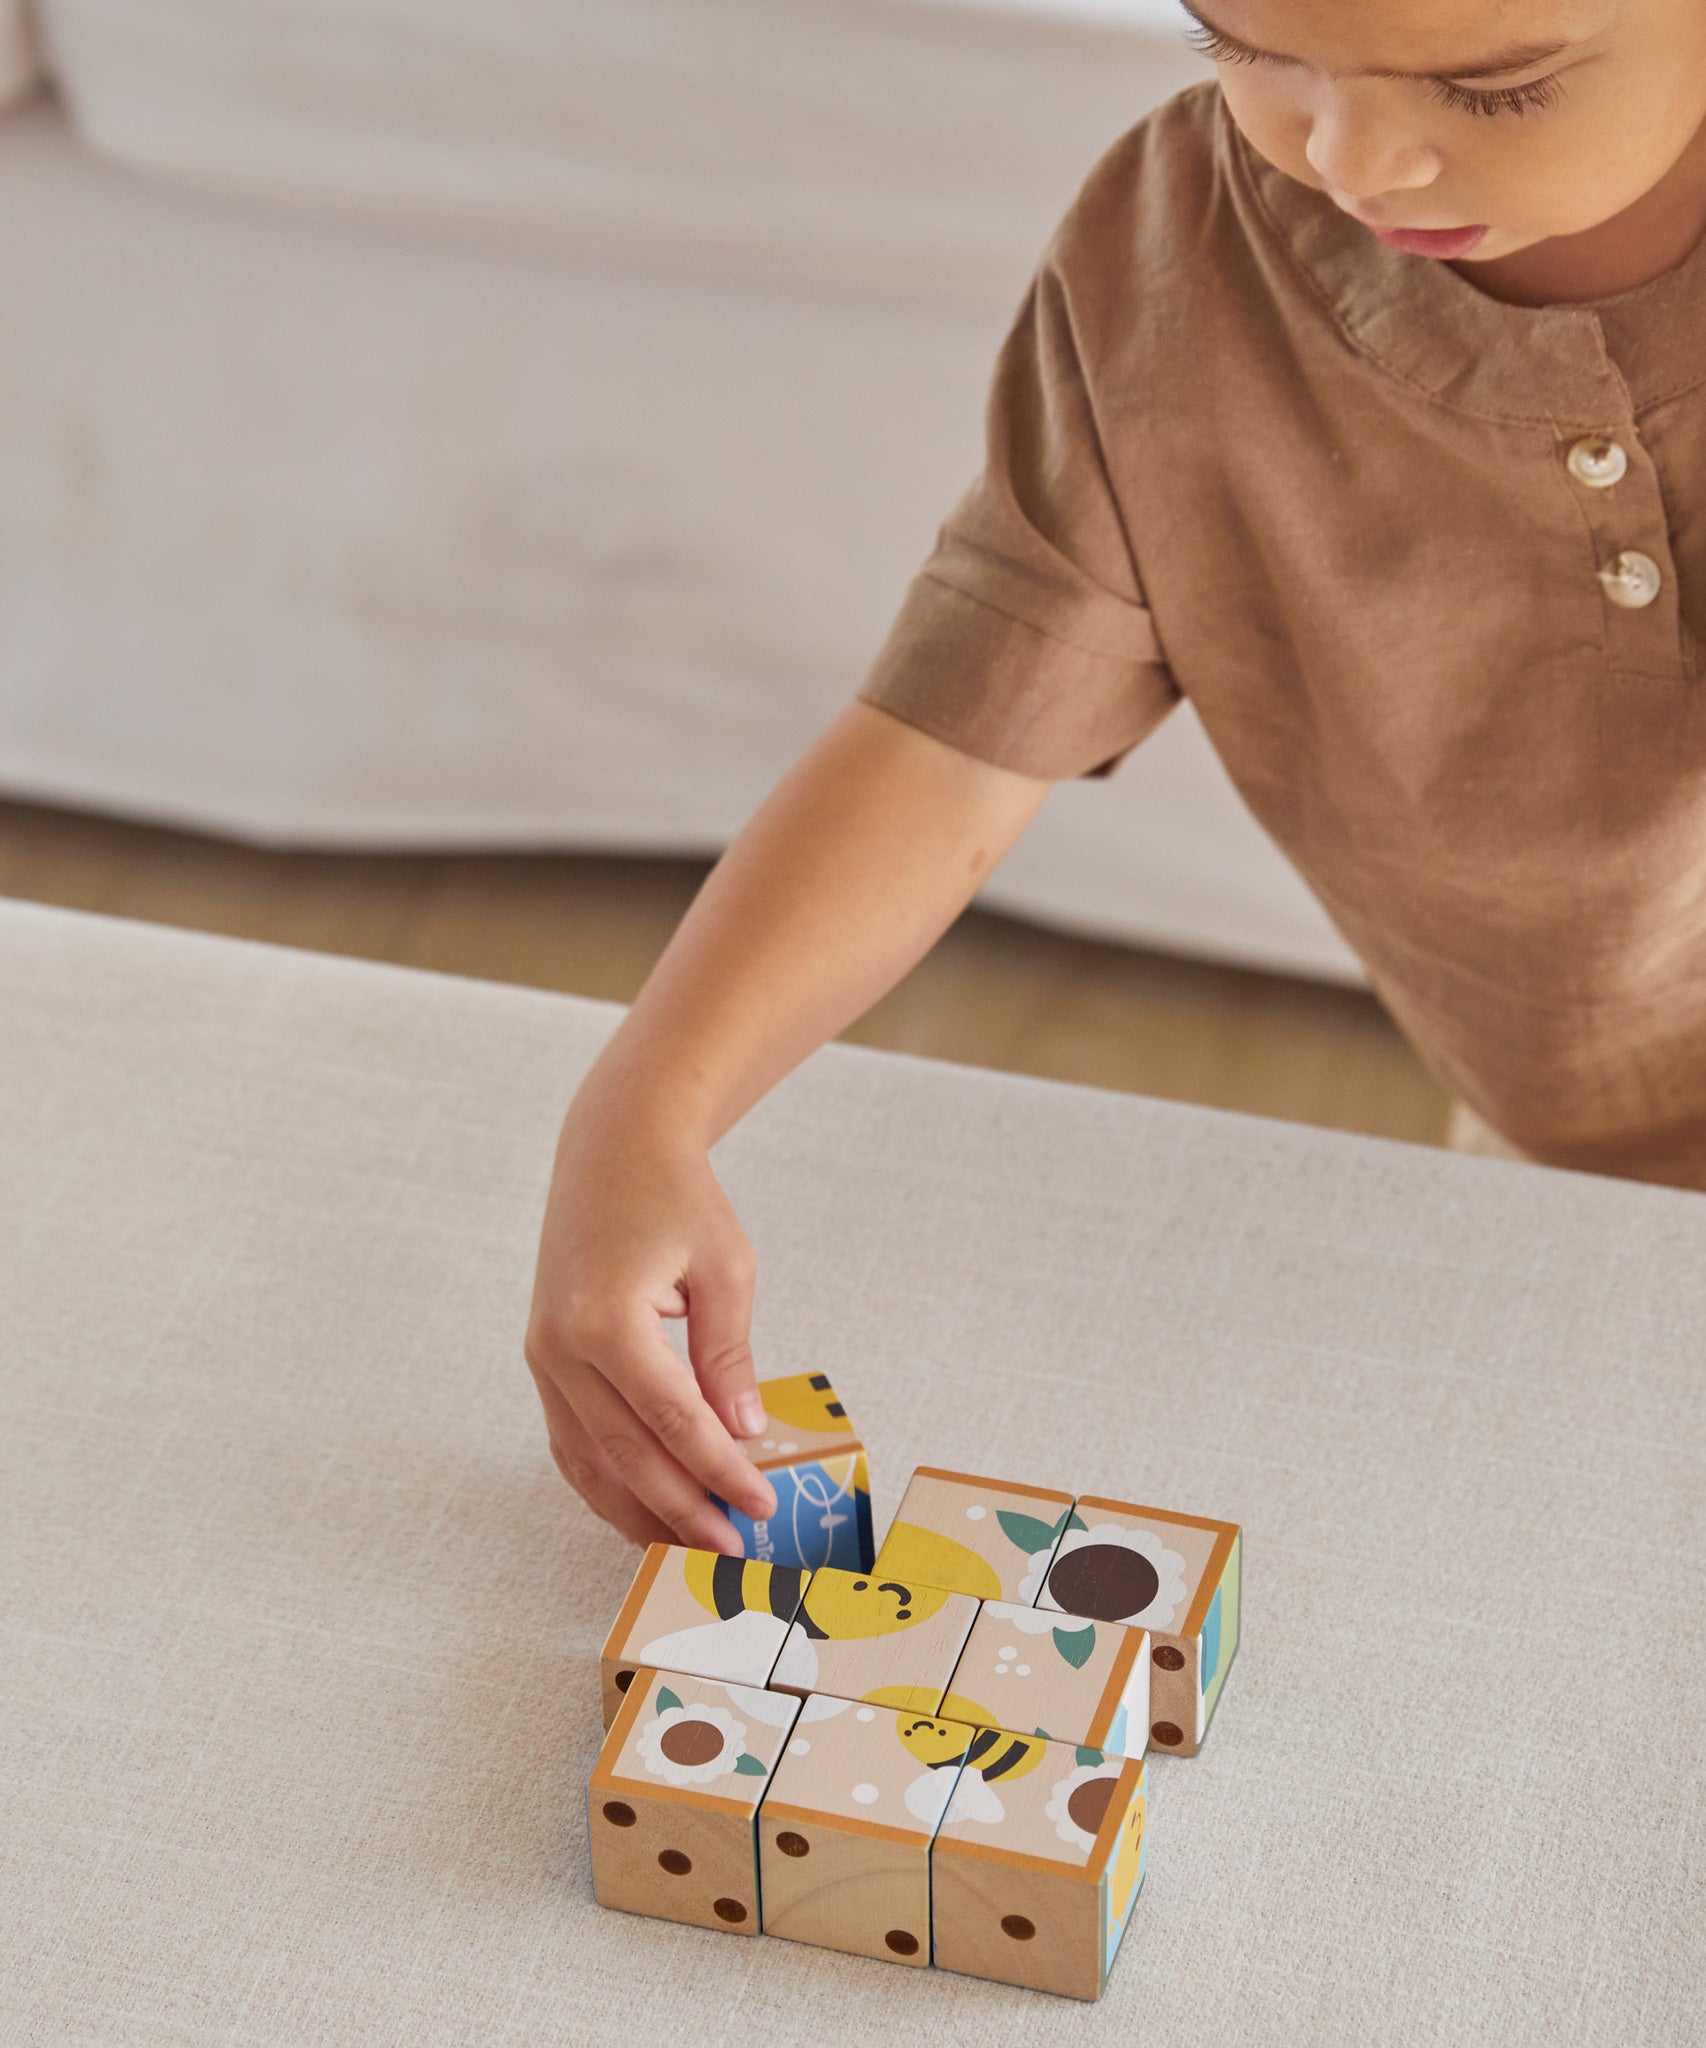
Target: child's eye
1537, 93
1219, 49
1504, 99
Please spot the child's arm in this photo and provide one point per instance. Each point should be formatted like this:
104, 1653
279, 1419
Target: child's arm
856, 863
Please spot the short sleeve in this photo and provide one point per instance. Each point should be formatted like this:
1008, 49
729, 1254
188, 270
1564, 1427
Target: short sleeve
1024, 638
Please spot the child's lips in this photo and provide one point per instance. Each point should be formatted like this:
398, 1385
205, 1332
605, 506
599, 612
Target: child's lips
1444, 243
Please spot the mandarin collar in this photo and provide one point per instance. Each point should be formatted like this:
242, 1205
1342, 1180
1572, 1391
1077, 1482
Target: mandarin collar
1581, 365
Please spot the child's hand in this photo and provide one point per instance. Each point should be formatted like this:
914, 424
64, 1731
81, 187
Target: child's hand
637, 1228
858, 860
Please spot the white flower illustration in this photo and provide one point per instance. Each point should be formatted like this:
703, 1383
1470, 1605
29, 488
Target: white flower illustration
1168, 1567
1028, 1621
691, 1745
1059, 1808
1036, 1570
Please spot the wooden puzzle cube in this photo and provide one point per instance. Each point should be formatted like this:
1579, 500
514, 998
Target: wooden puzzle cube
880, 1640
1177, 1576
988, 1537
699, 1612
809, 1452
845, 1828
1055, 1675
673, 1801
1037, 1864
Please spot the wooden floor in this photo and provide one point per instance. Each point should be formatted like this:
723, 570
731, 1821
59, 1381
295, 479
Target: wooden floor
995, 992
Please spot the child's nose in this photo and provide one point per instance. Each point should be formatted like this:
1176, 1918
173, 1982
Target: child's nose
1359, 154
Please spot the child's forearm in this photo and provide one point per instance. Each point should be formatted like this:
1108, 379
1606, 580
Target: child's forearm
857, 862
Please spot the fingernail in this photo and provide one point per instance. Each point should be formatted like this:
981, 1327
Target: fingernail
761, 1503
749, 1414
729, 1543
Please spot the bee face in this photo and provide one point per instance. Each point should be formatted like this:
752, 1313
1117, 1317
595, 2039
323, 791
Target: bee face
1128, 1856
845, 1604
933, 1743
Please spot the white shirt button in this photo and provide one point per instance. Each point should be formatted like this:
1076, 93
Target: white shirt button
1631, 579
1596, 462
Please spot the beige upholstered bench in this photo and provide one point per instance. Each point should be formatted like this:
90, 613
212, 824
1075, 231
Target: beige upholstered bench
300, 1628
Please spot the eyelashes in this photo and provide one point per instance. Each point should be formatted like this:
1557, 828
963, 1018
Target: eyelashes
1504, 99
1210, 43
1535, 95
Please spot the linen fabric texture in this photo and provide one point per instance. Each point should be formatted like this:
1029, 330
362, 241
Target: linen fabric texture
303, 1628
1240, 452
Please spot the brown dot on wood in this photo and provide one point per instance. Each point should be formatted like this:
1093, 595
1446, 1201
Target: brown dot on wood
1103, 1581
1087, 1802
791, 1844
1168, 1733
730, 1910
674, 1862
1018, 1926
691, 1741
619, 1813
901, 1942
624, 1679
1169, 1659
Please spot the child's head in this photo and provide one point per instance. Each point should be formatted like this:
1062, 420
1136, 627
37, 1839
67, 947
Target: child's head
1531, 118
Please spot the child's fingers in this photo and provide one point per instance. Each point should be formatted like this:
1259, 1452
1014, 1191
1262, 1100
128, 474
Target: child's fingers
651, 1469
719, 1336
576, 1458
659, 1490
655, 1386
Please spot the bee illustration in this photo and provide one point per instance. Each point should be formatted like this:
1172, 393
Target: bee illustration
806, 1401
990, 1756
750, 1605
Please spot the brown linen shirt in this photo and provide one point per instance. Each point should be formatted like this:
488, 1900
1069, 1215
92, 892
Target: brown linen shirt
1355, 510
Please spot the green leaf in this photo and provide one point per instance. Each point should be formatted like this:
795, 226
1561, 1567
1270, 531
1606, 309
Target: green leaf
666, 1699
749, 1766
1091, 1757
1026, 1531
1074, 1520
1043, 1732
1076, 1644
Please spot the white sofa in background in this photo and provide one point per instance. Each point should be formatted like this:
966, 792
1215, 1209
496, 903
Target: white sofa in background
514, 422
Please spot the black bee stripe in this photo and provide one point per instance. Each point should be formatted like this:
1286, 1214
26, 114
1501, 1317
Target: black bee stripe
1010, 1756
784, 1590
833, 1408
728, 1592
819, 1383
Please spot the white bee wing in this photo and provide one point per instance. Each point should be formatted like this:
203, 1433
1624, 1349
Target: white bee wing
928, 1794
797, 1665
975, 1800
740, 1649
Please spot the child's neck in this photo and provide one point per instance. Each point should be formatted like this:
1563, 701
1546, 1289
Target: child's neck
1631, 248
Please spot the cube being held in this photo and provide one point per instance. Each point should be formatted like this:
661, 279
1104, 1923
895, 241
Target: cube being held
1055, 1675
1177, 1576
809, 1452
989, 1537
1037, 1864
673, 1801
879, 1640
846, 1827
700, 1612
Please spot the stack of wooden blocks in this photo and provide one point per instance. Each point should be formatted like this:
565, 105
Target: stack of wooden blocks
933, 1755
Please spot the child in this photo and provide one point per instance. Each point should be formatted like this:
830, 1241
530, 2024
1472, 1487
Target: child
1360, 397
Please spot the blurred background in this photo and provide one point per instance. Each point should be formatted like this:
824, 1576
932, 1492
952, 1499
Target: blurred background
455, 453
